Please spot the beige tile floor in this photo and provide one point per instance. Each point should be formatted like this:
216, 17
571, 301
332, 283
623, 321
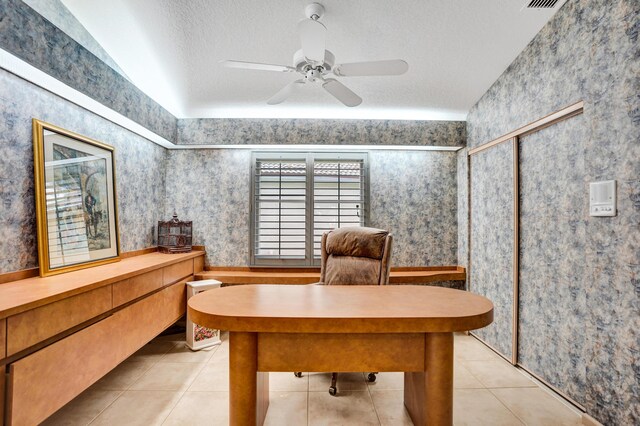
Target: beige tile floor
166, 384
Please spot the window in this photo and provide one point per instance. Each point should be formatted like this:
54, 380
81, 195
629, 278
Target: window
296, 197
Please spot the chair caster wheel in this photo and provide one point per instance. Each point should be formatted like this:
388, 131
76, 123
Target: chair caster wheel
298, 374
333, 391
371, 377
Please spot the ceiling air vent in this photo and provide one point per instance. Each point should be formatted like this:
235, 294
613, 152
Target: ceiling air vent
541, 4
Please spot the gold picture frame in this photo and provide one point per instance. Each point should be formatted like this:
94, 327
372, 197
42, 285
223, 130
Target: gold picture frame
76, 201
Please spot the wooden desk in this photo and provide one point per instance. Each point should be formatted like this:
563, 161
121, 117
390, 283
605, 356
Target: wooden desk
342, 328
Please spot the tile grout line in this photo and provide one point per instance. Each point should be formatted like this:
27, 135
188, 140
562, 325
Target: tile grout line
108, 405
505, 405
202, 365
532, 385
549, 391
151, 364
173, 408
489, 390
373, 404
471, 373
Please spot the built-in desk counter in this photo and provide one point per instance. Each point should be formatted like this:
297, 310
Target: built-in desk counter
399, 275
60, 334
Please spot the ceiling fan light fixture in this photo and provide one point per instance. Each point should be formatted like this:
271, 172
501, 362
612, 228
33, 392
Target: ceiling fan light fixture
315, 63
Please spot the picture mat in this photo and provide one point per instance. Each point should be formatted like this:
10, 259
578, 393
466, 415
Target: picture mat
80, 207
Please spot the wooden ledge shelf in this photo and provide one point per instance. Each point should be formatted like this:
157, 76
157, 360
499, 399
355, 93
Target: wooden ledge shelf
427, 275
291, 276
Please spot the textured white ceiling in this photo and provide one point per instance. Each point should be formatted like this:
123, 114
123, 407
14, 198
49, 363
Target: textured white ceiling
171, 48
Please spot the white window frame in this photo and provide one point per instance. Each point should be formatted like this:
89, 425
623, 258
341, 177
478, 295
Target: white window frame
310, 158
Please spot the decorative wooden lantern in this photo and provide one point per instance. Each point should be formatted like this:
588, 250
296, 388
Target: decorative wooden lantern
174, 236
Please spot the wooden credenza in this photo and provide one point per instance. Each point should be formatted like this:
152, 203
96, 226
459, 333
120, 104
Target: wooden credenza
61, 334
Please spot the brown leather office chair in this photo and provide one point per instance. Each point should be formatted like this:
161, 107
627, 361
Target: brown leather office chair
355, 256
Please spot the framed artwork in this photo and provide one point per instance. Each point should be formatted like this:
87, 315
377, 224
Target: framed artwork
76, 206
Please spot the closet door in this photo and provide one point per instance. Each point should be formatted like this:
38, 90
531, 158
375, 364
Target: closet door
492, 241
553, 214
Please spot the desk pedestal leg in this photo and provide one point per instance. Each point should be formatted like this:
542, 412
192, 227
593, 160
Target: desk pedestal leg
248, 389
428, 395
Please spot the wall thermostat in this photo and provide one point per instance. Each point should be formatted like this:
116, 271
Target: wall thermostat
602, 198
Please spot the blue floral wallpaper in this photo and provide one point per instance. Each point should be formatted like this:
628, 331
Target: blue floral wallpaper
580, 276
590, 51
232, 131
412, 193
217, 200
27, 35
140, 170
554, 206
491, 268
57, 13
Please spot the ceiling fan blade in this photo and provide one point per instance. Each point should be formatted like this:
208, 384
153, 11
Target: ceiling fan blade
341, 92
257, 66
356, 69
285, 92
312, 37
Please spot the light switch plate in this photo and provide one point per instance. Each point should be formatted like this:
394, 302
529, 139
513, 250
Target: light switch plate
602, 198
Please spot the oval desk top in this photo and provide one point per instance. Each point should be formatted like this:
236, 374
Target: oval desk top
340, 309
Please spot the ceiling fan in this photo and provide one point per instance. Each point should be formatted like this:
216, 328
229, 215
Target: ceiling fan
315, 64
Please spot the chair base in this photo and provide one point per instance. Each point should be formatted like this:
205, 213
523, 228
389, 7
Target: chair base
333, 389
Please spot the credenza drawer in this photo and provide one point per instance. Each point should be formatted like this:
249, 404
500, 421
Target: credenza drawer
150, 316
132, 288
34, 326
178, 271
198, 264
175, 300
43, 382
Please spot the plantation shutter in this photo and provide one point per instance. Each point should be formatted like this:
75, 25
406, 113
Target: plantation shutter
296, 197
338, 196
280, 208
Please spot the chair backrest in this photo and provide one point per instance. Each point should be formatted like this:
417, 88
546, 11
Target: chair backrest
356, 256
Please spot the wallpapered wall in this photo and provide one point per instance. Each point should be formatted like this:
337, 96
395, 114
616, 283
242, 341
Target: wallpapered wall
329, 132
58, 14
586, 270
412, 193
27, 35
554, 210
220, 224
491, 271
140, 170
589, 51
